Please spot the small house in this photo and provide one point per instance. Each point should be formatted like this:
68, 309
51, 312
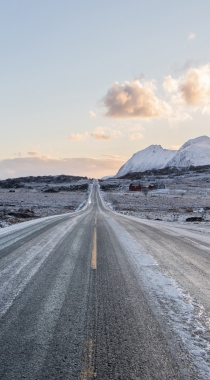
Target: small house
160, 185
151, 186
135, 186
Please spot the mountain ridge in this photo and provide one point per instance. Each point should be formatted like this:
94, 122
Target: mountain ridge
194, 152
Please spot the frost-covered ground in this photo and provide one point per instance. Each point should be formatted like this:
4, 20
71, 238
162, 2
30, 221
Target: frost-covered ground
25, 204
184, 197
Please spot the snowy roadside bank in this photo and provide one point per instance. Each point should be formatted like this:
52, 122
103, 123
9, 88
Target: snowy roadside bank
173, 207
153, 218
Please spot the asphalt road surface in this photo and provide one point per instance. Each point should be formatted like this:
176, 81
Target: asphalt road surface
97, 295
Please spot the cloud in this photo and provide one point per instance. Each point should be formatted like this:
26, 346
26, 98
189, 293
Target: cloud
33, 154
38, 154
169, 84
78, 136
100, 135
105, 133
136, 136
191, 36
92, 114
135, 100
192, 88
90, 167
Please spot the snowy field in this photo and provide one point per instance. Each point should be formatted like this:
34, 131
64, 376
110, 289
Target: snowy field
25, 204
184, 197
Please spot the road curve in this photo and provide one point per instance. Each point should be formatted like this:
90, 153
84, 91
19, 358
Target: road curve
96, 295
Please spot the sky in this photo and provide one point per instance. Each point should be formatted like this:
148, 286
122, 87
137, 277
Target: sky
85, 84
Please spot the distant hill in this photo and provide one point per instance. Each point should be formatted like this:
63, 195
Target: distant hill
47, 179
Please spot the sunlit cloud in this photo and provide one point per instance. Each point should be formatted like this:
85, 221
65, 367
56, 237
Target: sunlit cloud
191, 36
105, 133
100, 134
136, 136
191, 89
78, 136
135, 100
34, 154
170, 85
92, 114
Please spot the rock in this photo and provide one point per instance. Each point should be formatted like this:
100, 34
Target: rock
22, 213
195, 219
83, 186
51, 190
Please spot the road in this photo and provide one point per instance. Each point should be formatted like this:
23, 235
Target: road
98, 295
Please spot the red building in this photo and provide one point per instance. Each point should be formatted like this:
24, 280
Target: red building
151, 187
135, 187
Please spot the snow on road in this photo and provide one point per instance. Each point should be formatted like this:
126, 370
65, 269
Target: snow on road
175, 309
19, 267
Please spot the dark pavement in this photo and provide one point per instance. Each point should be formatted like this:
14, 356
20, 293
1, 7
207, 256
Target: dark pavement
79, 311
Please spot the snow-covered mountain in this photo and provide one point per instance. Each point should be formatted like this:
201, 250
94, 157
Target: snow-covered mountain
195, 152
152, 157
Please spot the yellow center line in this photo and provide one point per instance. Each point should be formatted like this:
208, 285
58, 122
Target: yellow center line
94, 251
88, 372
87, 367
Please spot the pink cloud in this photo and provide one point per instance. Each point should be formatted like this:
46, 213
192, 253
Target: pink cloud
192, 88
